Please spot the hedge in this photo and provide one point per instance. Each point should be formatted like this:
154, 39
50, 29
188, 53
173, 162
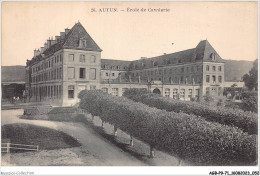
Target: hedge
187, 136
247, 121
62, 114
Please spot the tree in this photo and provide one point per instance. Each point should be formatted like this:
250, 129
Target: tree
251, 78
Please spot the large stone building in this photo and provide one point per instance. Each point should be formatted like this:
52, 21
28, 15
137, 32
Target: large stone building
72, 62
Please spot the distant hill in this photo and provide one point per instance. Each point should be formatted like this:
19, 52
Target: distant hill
13, 73
234, 70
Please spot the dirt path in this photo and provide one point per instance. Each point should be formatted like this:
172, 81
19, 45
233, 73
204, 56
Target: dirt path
94, 150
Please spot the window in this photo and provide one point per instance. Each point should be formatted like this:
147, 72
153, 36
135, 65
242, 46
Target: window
182, 94
71, 72
60, 73
192, 69
187, 69
115, 91
207, 78
213, 56
167, 93
70, 91
181, 80
93, 87
113, 74
207, 67
106, 73
104, 89
175, 93
92, 74
197, 92
123, 90
182, 70
190, 93
92, 59
207, 91
82, 58
214, 68
220, 79
219, 68
220, 91
82, 73
60, 91
214, 79
84, 43
71, 57
187, 80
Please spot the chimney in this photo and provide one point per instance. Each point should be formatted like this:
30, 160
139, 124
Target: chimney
62, 35
42, 49
57, 38
48, 43
45, 46
34, 52
67, 31
38, 52
53, 42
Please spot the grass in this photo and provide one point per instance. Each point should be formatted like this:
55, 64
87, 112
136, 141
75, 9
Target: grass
46, 138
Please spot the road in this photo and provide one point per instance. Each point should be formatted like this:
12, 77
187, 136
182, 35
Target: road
94, 150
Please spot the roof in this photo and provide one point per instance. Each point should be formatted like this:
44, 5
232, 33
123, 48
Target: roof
13, 74
75, 34
202, 52
112, 64
71, 41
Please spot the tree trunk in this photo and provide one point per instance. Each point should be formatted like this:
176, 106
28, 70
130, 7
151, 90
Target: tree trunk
115, 130
131, 141
151, 152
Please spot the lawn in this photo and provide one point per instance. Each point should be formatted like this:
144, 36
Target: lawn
45, 138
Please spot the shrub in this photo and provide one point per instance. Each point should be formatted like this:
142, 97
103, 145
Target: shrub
250, 101
246, 121
190, 137
62, 113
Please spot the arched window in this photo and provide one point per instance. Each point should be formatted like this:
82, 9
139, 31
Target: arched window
104, 89
167, 93
182, 94
175, 93
213, 56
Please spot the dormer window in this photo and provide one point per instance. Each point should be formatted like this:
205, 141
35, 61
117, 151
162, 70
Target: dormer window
213, 56
82, 43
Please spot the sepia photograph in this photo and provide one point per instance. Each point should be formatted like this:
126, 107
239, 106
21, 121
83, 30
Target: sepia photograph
120, 83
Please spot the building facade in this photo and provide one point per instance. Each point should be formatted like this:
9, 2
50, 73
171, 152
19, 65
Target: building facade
72, 62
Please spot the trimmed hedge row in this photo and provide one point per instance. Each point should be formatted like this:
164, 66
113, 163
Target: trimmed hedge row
247, 121
187, 136
62, 114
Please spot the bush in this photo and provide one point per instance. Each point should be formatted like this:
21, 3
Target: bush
250, 101
190, 137
246, 121
62, 114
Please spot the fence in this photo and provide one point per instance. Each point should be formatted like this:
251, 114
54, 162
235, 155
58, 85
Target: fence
6, 147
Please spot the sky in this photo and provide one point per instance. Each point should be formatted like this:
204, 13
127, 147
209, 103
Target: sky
230, 27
